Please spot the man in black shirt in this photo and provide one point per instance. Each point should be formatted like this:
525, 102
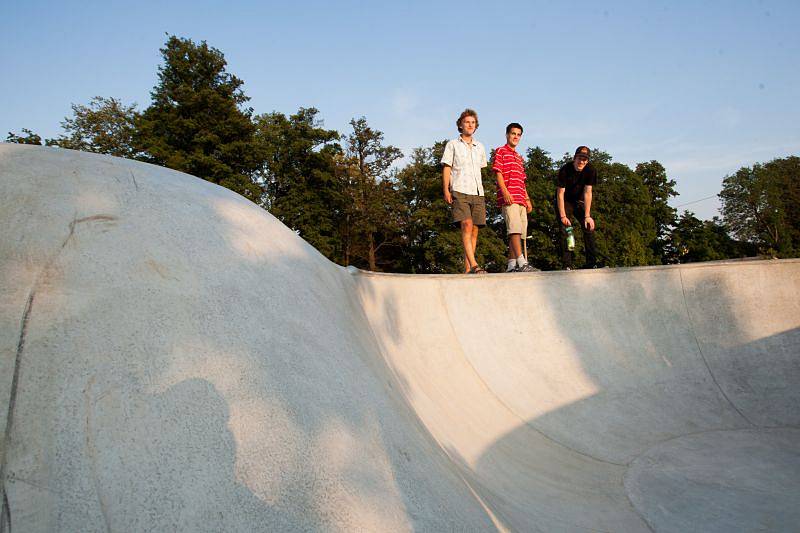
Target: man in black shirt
574, 197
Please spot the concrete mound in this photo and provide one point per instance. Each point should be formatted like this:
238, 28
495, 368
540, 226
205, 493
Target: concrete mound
175, 359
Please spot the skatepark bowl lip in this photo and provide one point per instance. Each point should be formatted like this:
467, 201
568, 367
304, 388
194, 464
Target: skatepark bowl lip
175, 358
579, 271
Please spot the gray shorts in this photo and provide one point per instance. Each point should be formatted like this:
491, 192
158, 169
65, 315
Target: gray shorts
469, 207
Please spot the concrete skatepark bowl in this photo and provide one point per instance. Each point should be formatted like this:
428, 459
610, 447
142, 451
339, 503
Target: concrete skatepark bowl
175, 359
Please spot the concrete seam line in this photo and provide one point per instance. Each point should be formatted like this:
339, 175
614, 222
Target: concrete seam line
633, 507
507, 407
12, 400
702, 355
425, 432
695, 433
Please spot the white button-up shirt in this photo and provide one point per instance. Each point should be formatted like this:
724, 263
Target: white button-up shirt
466, 161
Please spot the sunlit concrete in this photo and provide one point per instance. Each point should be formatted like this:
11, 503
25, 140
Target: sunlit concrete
174, 358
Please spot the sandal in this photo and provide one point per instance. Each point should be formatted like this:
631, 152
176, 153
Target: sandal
476, 270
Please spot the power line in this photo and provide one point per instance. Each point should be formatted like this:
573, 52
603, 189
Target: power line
696, 201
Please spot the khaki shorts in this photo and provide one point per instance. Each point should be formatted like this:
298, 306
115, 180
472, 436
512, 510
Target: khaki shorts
469, 207
516, 217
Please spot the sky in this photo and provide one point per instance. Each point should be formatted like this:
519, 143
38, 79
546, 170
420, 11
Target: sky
703, 87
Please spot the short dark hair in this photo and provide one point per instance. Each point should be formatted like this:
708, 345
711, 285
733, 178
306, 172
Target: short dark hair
512, 126
464, 114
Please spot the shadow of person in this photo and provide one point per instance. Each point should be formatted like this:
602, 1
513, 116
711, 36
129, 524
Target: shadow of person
166, 462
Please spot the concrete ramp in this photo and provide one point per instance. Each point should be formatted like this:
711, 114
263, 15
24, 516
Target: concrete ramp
172, 358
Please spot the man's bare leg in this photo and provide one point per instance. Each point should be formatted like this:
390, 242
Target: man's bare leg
475, 242
514, 246
469, 239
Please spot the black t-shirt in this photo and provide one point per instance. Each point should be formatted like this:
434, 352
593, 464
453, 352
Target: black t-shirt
573, 181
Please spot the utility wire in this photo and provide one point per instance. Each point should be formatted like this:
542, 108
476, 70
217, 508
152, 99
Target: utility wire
696, 201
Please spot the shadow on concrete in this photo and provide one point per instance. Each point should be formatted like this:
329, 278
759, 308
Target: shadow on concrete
229, 362
723, 385
189, 363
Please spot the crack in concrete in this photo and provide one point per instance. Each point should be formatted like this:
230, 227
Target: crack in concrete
12, 402
5, 517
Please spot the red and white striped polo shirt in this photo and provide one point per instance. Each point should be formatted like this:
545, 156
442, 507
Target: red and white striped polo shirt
509, 163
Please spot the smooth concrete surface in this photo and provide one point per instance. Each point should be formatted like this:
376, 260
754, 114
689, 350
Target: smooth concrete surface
175, 359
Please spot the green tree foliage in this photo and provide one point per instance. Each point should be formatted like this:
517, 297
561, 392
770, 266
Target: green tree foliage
197, 123
543, 247
105, 126
694, 240
373, 209
432, 244
626, 226
344, 196
759, 205
660, 189
27, 137
299, 176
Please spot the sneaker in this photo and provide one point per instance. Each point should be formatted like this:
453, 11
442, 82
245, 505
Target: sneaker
512, 270
567, 268
527, 268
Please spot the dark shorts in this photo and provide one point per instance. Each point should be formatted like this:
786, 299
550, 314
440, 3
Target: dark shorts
469, 207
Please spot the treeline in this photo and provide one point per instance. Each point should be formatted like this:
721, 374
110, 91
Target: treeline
346, 195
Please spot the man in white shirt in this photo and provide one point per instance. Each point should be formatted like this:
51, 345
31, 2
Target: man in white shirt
463, 159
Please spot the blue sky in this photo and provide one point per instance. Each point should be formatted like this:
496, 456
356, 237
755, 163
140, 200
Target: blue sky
704, 88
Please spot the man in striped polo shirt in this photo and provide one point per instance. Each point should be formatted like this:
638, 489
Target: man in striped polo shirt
512, 197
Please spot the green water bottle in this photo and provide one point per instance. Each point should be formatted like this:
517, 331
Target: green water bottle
570, 238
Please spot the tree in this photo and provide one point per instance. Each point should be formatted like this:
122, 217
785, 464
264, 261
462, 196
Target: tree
431, 244
299, 177
197, 123
105, 126
694, 240
28, 137
372, 220
660, 189
543, 247
759, 205
626, 227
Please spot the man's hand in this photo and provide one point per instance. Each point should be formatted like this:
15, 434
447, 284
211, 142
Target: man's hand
446, 171
507, 197
589, 222
565, 221
528, 205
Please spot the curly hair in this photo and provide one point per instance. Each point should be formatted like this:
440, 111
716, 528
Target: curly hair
464, 114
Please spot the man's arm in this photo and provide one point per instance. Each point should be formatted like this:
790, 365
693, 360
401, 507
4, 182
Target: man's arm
561, 212
587, 202
446, 183
528, 204
501, 182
